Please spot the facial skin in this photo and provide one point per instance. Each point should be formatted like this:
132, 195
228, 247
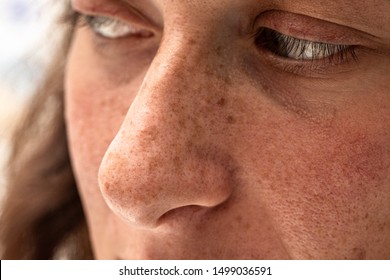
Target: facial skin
190, 140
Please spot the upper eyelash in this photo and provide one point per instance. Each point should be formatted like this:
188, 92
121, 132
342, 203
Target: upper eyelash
98, 21
272, 39
112, 25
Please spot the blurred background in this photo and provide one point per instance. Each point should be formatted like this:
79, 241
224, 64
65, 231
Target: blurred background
25, 45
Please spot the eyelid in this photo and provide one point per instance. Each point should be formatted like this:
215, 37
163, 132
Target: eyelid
328, 59
299, 49
307, 28
111, 28
115, 9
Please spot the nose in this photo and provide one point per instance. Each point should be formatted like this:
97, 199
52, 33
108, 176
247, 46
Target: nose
165, 156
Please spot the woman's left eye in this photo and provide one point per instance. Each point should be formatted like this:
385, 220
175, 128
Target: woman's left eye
112, 28
299, 49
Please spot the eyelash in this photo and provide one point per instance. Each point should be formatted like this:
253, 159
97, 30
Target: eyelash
302, 50
112, 28
279, 44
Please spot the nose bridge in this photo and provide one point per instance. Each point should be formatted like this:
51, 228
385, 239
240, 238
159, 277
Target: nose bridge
162, 159
172, 94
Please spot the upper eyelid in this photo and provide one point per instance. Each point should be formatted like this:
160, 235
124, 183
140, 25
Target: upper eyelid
319, 30
120, 10
308, 28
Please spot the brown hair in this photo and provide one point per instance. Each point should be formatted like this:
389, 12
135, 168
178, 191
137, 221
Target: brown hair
42, 216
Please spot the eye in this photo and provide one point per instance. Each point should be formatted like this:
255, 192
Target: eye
112, 28
299, 49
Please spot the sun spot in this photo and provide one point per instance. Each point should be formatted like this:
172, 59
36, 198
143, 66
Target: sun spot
230, 120
218, 50
221, 102
247, 226
359, 253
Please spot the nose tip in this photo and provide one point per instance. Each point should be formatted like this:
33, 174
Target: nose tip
142, 187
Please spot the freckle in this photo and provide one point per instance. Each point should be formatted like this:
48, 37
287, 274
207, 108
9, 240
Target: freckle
247, 226
153, 164
239, 219
208, 72
182, 123
359, 253
231, 120
221, 102
265, 88
366, 217
218, 50
150, 134
107, 186
227, 80
382, 227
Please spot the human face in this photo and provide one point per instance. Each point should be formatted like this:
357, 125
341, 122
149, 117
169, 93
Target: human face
198, 131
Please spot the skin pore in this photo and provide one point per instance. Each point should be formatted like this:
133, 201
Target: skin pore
195, 136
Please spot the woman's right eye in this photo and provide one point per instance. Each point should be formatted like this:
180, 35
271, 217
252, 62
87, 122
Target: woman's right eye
112, 28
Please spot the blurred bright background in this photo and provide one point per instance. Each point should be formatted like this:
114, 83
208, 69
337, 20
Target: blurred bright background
25, 44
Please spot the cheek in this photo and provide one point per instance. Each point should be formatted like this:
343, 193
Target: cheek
92, 118
324, 186
96, 105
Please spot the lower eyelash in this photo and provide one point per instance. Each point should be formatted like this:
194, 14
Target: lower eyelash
298, 49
